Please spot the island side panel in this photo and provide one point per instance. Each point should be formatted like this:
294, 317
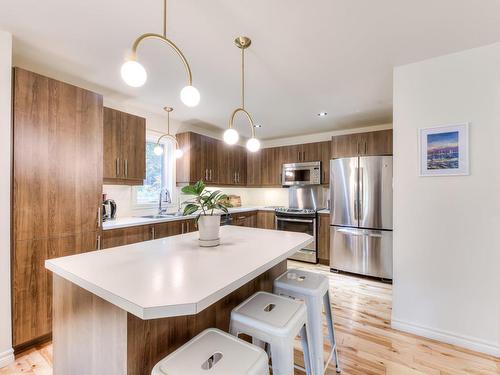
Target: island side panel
148, 341
89, 333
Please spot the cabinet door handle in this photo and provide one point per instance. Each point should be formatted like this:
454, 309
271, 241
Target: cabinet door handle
366, 148
99, 217
98, 243
210, 175
298, 155
117, 167
206, 174
182, 227
187, 225
153, 233
303, 155
126, 168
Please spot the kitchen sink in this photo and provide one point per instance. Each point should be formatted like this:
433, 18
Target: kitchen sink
162, 216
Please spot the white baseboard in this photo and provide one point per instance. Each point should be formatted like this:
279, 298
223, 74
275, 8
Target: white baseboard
6, 357
448, 337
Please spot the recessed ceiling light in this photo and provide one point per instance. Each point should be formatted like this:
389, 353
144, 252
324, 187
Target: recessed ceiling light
322, 114
258, 125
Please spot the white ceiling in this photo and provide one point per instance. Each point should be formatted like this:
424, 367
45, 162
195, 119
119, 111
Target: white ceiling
306, 57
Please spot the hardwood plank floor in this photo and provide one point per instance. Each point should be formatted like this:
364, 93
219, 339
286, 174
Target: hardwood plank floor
367, 343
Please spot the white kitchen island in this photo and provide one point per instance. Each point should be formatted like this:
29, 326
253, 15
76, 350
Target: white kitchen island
120, 310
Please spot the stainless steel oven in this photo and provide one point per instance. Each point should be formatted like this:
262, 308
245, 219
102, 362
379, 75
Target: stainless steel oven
300, 174
302, 221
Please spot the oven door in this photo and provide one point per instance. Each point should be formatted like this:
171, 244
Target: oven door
301, 225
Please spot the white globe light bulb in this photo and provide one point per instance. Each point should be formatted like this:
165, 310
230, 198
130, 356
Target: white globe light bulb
179, 153
253, 145
133, 73
231, 136
158, 150
190, 96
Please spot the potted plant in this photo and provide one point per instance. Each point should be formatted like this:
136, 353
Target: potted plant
209, 206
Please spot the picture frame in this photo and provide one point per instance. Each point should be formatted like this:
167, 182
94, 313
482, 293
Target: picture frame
444, 150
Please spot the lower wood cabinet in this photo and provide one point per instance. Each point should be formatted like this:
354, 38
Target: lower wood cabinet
126, 236
32, 284
245, 219
130, 235
324, 239
266, 220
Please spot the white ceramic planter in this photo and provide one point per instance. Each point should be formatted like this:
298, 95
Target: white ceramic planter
209, 227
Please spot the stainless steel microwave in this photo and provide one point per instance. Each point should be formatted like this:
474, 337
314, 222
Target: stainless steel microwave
298, 174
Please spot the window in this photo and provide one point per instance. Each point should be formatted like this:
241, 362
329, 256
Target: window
159, 174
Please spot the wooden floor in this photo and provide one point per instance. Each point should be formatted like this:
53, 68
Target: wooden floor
367, 344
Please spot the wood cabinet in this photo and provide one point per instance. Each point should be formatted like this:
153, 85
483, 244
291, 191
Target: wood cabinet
272, 160
56, 191
232, 166
324, 239
266, 220
140, 233
126, 236
254, 168
362, 144
173, 228
32, 284
200, 159
210, 160
245, 219
124, 148
325, 156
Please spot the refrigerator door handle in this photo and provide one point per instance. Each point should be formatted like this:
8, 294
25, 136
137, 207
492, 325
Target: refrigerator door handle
350, 231
361, 193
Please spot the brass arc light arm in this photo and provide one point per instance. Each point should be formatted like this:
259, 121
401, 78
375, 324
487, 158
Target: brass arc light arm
167, 41
169, 136
249, 117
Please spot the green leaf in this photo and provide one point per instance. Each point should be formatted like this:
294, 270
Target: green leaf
190, 209
199, 187
189, 190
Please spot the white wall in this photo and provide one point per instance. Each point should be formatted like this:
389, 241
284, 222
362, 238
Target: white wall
6, 353
446, 242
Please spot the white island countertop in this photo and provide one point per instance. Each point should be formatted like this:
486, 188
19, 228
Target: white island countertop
173, 276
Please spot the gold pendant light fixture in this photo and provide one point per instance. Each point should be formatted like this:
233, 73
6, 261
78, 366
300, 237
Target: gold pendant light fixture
134, 74
231, 135
158, 150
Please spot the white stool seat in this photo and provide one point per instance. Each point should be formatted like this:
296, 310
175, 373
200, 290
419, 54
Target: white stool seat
313, 289
302, 282
216, 351
275, 320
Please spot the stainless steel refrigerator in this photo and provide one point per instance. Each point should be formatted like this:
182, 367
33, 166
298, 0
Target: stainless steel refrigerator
361, 215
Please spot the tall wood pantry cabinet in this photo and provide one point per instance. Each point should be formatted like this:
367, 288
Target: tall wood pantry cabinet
56, 191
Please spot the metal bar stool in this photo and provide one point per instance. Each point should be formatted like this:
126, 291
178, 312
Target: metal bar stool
274, 320
312, 288
216, 351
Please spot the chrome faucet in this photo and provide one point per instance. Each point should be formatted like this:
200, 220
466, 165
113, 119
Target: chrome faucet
164, 197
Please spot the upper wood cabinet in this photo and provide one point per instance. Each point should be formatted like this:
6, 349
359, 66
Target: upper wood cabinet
56, 191
211, 160
124, 148
362, 144
272, 160
200, 159
254, 168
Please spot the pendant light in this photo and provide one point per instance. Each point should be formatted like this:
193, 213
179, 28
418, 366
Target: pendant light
158, 150
134, 74
231, 135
